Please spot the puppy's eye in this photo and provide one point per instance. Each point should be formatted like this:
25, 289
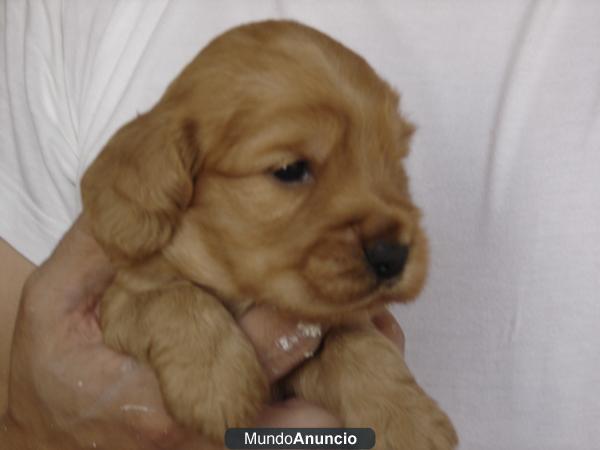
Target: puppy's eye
296, 172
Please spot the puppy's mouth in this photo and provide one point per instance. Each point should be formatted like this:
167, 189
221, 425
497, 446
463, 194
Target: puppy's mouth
341, 280
342, 301
358, 281
377, 292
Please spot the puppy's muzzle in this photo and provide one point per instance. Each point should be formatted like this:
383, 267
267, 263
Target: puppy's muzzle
386, 258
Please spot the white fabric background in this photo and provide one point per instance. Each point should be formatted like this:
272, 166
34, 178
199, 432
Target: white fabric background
506, 165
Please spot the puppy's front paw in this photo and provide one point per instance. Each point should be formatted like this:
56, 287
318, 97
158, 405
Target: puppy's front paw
213, 392
418, 424
361, 376
208, 371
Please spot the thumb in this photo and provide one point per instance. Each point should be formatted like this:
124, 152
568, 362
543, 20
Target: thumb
280, 342
73, 277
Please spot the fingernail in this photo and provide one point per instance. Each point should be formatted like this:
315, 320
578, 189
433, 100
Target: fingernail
287, 343
303, 330
137, 408
309, 329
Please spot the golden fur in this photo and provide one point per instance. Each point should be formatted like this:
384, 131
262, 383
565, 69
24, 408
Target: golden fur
184, 202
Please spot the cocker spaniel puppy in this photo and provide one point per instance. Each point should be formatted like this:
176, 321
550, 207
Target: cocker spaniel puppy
270, 172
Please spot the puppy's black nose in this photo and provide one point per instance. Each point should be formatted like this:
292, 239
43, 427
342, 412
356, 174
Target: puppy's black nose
386, 258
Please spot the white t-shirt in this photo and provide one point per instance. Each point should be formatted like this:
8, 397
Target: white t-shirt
506, 165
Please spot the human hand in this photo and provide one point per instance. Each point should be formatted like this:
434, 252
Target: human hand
69, 391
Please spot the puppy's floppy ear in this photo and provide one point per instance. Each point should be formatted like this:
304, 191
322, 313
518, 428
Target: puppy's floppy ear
137, 189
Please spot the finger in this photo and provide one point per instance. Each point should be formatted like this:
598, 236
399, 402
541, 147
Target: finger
88, 262
296, 413
78, 271
280, 342
387, 325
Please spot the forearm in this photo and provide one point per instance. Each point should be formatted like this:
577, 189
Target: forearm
13, 436
14, 269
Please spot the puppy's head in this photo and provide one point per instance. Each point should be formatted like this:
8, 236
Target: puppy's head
270, 171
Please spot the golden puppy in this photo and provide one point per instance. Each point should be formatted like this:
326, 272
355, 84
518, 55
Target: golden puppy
270, 172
